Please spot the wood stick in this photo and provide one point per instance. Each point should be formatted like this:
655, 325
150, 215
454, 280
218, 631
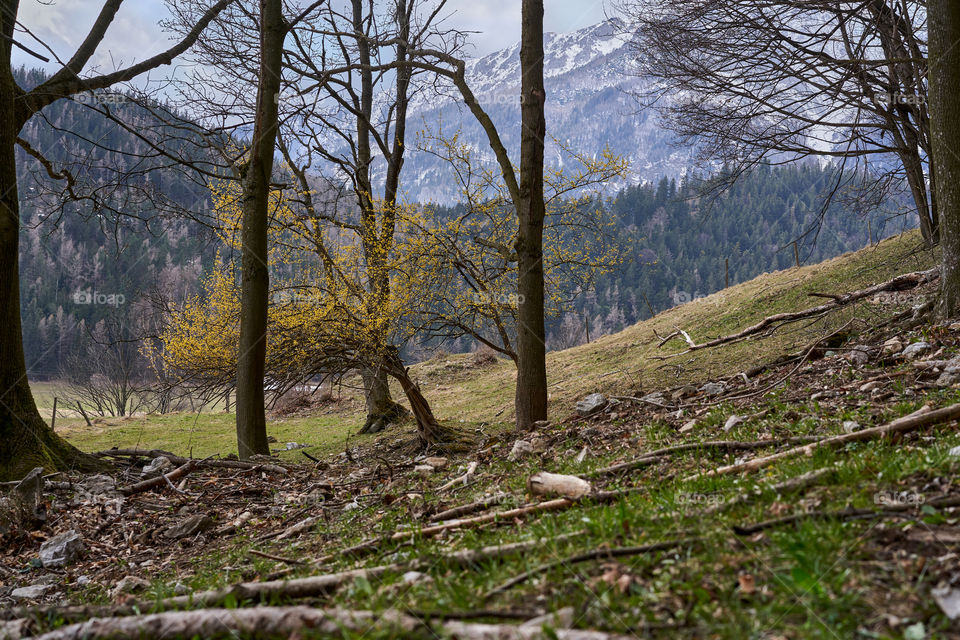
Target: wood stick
175, 459
286, 622
558, 504
160, 480
900, 283
616, 552
843, 514
923, 417
467, 509
729, 445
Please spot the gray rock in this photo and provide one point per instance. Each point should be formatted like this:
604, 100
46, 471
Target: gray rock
713, 388
61, 550
954, 453
948, 599
849, 426
521, 449
189, 527
655, 398
130, 584
156, 466
947, 379
913, 350
732, 422
892, 346
591, 404
858, 355
32, 592
690, 426
83, 581
180, 589
99, 485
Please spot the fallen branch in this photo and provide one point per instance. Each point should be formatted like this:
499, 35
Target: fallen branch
160, 480
616, 552
843, 514
270, 556
467, 509
179, 460
900, 283
464, 479
791, 484
286, 622
558, 504
923, 417
310, 587
728, 445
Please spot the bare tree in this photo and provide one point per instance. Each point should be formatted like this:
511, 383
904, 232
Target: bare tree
27, 441
779, 80
945, 122
364, 86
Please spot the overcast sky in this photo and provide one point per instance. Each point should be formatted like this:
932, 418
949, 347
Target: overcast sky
135, 33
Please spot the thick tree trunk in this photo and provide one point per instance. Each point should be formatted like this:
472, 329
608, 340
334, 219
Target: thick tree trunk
531, 398
944, 20
25, 439
251, 420
382, 409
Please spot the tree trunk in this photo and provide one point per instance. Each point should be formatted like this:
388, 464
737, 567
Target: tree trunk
531, 398
381, 407
429, 431
944, 20
251, 420
25, 439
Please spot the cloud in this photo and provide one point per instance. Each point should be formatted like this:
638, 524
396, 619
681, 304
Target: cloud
133, 35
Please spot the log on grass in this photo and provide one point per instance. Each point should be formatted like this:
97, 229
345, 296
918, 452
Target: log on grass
286, 622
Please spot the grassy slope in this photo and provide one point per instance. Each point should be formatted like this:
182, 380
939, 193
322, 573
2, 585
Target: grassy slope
821, 578
622, 362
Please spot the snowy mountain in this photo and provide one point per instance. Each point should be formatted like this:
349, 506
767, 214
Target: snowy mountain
589, 106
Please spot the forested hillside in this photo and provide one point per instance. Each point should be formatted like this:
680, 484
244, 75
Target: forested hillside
79, 268
81, 264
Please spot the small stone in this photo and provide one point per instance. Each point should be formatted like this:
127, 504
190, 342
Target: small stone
83, 581
954, 453
351, 506
849, 426
130, 584
948, 599
61, 550
870, 386
713, 388
947, 379
189, 527
688, 427
858, 355
180, 589
156, 466
732, 422
411, 577
32, 592
437, 462
914, 350
892, 346
654, 398
521, 449
591, 404
423, 469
